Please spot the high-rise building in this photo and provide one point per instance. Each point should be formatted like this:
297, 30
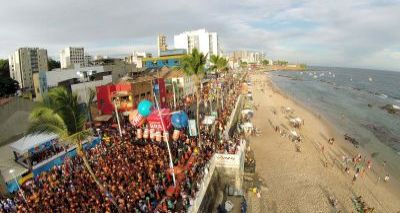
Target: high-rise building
205, 42
161, 43
71, 56
26, 61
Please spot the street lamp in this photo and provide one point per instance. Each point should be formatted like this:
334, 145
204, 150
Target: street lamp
11, 171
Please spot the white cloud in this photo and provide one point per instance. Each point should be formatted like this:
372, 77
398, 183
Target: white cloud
335, 32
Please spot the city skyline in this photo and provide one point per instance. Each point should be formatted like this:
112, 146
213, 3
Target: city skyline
337, 33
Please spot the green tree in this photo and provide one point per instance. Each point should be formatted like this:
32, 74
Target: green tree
92, 95
61, 114
53, 64
8, 86
4, 68
219, 64
265, 62
193, 65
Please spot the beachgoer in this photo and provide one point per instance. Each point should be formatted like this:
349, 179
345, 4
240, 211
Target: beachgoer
386, 178
355, 177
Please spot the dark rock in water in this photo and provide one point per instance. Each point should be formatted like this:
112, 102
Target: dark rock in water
384, 135
369, 105
392, 109
374, 154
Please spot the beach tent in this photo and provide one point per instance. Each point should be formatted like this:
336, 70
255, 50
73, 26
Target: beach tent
155, 121
247, 111
247, 125
296, 121
31, 141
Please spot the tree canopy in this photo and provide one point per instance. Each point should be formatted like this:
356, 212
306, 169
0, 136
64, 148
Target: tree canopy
8, 86
218, 63
53, 64
265, 62
193, 64
4, 68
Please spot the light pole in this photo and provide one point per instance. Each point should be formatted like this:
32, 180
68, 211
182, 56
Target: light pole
11, 171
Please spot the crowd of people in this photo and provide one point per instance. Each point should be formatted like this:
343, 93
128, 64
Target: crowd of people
134, 173
46, 153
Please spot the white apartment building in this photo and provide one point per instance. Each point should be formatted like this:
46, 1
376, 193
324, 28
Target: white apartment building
205, 42
26, 61
136, 58
70, 56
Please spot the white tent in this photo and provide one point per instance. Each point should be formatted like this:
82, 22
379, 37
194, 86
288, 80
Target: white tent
294, 133
247, 111
247, 125
22, 145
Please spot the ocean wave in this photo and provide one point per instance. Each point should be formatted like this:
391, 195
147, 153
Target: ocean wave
383, 96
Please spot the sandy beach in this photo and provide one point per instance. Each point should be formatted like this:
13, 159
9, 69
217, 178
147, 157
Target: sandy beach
293, 181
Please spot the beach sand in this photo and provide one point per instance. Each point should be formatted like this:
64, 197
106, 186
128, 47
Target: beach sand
292, 181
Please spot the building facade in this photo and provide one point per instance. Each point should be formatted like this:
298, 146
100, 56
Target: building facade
136, 58
205, 42
70, 56
164, 61
24, 63
161, 43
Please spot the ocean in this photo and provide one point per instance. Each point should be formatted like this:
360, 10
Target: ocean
350, 98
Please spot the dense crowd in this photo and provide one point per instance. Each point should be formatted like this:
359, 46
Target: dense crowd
46, 153
135, 173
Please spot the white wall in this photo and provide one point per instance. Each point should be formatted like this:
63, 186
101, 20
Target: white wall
82, 89
55, 76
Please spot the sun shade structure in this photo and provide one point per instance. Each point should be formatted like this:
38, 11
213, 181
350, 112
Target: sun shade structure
31, 141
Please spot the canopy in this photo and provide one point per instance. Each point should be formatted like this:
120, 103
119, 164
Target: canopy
31, 141
247, 125
296, 120
294, 133
103, 118
155, 121
208, 120
247, 111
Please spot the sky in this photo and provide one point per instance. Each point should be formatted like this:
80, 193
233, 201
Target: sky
344, 33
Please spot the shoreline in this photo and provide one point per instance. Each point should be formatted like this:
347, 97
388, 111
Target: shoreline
381, 137
316, 130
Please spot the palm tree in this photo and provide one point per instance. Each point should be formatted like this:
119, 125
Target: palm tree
219, 65
92, 95
60, 113
193, 65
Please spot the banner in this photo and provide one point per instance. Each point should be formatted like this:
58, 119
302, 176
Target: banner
192, 127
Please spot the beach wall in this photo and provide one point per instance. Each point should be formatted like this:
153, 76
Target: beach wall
233, 119
222, 170
228, 166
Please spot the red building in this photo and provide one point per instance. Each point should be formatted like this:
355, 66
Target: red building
129, 93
